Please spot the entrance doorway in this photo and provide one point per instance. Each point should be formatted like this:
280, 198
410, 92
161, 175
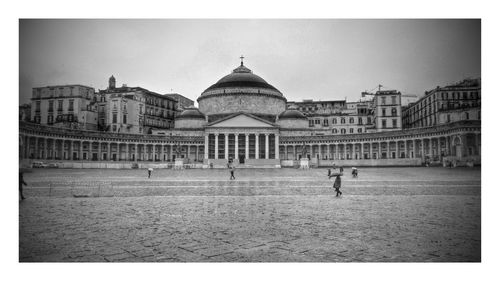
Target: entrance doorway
241, 157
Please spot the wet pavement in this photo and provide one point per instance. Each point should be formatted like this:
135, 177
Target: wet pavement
282, 215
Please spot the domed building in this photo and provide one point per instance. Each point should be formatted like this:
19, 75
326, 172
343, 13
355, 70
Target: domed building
292, 118
191, 117
242, 91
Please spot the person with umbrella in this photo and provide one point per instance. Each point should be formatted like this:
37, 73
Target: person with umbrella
150, 170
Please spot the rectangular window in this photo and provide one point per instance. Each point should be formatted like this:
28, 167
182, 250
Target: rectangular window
71, 103
59, 105
325, 122
124, 119
114, 118
50, 119
383, 100
383, 111
384, 125
51, 105
393, 100
394, 123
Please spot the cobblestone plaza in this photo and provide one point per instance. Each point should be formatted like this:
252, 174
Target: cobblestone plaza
265, 215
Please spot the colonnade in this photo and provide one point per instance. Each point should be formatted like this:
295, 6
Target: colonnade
433, 148
227, 145
69, 149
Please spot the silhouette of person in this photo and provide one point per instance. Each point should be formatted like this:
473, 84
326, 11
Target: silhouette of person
337, 185
21, 182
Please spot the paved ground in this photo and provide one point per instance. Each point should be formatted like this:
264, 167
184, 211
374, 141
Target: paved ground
387, 214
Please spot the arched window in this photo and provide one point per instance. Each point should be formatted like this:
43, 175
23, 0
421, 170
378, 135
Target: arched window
360, 120
360, 130
351, 130
394, 112
342, 120
342, 131
334, 121
334, 131
351, 120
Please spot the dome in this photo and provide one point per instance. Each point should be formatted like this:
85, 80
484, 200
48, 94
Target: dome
291, 114
241, 77
191, 113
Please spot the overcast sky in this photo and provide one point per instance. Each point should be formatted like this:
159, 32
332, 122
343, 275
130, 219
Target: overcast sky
304, 59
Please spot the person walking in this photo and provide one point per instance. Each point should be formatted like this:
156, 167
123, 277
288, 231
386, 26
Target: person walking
150, 170
231, 169
21, 182
336, 184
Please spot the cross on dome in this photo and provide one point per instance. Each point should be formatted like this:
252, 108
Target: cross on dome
242, 57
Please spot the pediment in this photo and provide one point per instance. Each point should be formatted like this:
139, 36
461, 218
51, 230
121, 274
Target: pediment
241, 120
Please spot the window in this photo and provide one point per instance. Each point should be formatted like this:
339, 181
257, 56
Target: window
70, 108
360, 130
368, 120
384, 125
59, 105
342, 131
360, 120
140, 108
311, 123
50, 119
448, 118
334, 121
316, 121
124, 119
393, 98
51, 105
383, 111
394, 112
351, 120
342, 120
383, 100
114, 118
334, 131
466, 115
351, 130
394, 123
325, 122
464, 95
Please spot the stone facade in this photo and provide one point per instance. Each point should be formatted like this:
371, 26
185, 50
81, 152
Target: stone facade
253, 103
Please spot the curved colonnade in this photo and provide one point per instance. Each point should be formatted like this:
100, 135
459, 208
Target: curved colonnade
459, 141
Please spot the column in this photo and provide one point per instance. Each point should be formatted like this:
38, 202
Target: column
206, 147
388, 149
414, 148
423, 151
370, 148
226, 146
267, 146
246, 146
188, 151
328, 151
136, 152
236, 156
277, 147
379, 156
448, 152
397, 150
80, 150
109, 151
216, 146
53, 149
197, 147
345, 151
127, 157
363, 150
99, 152
256, 146
439, 148
171, 152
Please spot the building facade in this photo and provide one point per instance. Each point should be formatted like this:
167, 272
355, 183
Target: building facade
441, 102
71, 106
243, 119
182, 101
